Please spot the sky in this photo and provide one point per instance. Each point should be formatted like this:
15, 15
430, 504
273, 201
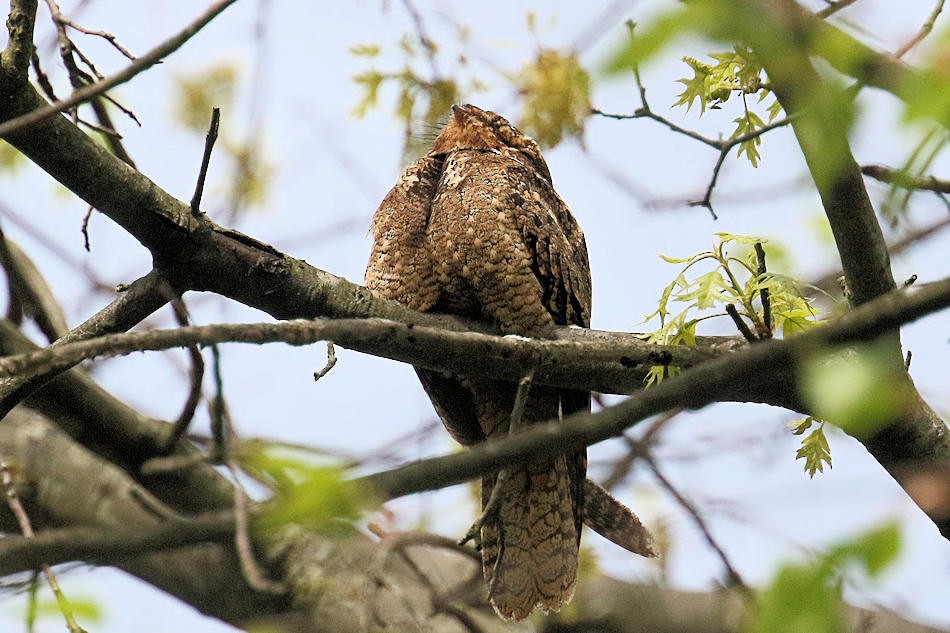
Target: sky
626, 185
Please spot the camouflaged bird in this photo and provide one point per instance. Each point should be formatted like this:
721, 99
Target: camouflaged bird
475, 228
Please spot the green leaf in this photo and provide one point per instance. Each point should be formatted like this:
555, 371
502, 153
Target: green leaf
876, 550
695, 88
806, 598
814, 449
749, 123
650, 41
799, 600
84, 609
709, 290
318, 496
365, 50
799, 427
555, 91
858, 389
198, 93
369, 81
10, 157
725, 238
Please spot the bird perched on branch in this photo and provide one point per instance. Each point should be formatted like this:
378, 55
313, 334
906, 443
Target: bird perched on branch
475, 228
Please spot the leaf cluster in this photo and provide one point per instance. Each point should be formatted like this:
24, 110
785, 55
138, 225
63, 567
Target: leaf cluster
421, 97
318, 496
732, 280
555, 90
736, 72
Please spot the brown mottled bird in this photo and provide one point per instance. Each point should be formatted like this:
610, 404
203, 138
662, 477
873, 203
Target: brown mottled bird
475, 228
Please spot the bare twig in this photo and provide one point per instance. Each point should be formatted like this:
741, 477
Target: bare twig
331, 363
637, 448
901, 178
925, 30
834, 7
740, 324
196, 375
734, 579
60, 19
140, 65
723, 145
764, 295
210, 138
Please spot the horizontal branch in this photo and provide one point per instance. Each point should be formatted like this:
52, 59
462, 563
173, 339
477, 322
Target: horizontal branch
693, 389
105, 546
608, 362
905, 180
140, 65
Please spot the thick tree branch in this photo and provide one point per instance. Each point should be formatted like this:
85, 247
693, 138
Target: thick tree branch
109, 546
68, 485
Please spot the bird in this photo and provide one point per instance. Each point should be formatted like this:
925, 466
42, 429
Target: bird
475, 228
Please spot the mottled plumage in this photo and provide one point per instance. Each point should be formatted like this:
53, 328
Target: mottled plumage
475, 228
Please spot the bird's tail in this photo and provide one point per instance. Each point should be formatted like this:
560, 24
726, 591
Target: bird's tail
529, 547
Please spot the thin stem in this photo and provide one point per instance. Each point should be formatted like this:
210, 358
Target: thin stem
140, 65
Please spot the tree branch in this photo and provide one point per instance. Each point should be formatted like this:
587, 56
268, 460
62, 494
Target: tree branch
139, 300
615, 363
693, 389
15, 59
140, 65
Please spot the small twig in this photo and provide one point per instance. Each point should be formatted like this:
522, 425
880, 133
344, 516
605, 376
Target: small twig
924, 31
26, 528
85, 228
900, 178
740, 324
423, 37
723, 146
909, 281
172, 463
442, 602
250, 569
637, 448
224, 435
155, 56
220, 427
331, 363
733, 576
210, 138
907, 359
61, 19
764, 295
197, 372
834, 7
